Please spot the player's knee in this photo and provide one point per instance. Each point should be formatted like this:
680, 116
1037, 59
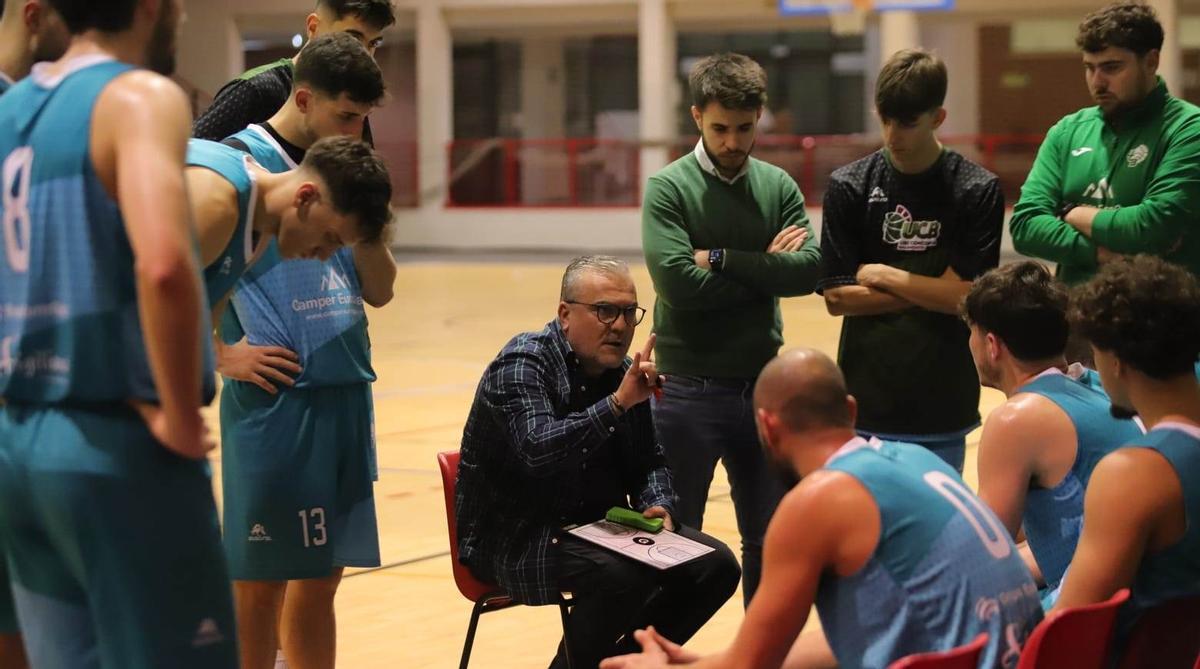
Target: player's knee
259, 594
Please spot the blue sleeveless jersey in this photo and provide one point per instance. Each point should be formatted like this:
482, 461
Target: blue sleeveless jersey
311, 307
222, 275
1054, 516
5, 84
944, 570
1175, 571
69, 326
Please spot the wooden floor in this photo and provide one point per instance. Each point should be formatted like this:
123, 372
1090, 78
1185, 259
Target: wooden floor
430, 345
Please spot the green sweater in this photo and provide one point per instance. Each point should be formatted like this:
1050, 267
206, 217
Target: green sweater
723, 325
1142, 169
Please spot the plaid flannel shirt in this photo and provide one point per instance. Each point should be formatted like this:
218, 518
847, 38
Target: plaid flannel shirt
523, 458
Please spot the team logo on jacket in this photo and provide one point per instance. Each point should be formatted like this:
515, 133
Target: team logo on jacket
1137, 155
877, 195
906, 234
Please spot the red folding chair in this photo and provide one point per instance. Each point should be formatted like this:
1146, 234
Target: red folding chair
1078, 637
963, 657
1165, 637
486, 596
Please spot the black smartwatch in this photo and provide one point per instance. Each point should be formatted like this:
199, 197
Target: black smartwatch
716, 260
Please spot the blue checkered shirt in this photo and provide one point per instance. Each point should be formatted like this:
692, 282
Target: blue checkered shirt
525, 452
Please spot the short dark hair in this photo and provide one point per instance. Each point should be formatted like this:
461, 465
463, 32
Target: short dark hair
733, 80
378, 13
911, 82
110, 16
358, 182
1024, 306
338, 63
1125, 25
1145, 311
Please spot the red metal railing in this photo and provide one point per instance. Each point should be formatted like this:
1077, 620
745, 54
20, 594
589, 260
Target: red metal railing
589, 172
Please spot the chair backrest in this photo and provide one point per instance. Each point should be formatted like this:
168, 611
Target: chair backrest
470, 587
963, 657
1167, 635
1078, 637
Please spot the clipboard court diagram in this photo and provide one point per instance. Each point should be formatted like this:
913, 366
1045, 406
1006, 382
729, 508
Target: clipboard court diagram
662, 551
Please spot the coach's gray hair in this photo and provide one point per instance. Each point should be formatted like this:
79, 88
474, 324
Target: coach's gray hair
583, 264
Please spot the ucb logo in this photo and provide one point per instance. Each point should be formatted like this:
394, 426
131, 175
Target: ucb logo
333, 281
901, 231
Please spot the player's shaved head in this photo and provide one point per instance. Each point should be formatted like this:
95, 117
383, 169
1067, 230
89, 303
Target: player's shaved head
805, 389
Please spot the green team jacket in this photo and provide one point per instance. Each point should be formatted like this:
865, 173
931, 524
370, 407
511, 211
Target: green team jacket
1142, 169
728, 324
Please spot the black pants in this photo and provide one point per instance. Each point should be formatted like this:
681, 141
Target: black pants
615, 595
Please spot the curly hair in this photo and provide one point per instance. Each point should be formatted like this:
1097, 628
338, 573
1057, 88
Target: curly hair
1143, 310
1023, 305
1125, 25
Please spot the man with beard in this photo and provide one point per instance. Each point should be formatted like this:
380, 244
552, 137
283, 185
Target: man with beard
559, 432
725, 236
106, 508
905, 231
1039, 448
30, 32
897, 554
1142, 319
1120, 177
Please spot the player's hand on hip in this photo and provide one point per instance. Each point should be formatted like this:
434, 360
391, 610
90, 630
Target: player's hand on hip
185, 435
660, 512
788, 240
264, 366
641, 379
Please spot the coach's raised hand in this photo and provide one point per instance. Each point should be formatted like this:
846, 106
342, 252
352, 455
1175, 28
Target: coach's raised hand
641, 379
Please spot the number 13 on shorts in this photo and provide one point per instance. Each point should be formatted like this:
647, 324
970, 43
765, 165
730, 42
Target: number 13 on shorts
312, 525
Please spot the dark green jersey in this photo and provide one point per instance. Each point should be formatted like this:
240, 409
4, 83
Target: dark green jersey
910, 370
1141, 168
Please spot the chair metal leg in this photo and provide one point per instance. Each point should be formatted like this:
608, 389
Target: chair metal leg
563, 609
466, 654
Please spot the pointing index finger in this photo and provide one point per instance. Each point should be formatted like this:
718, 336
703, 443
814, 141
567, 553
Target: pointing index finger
649, 347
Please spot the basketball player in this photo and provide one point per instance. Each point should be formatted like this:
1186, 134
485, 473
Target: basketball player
106, 512
898, 555
30, 32
1140, 530
1038, 449
906, 230
302, 448
313, 208
258, 93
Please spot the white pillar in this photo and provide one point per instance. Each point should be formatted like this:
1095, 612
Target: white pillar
1171, 62
546, 177
435, 103
956, 42
898, 30
657, 89
210, 46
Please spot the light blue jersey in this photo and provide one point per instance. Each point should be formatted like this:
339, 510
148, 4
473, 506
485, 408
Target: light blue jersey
5, 83
1175, 571
222, 275
311, 307
1053, 517
944, 570
69, 326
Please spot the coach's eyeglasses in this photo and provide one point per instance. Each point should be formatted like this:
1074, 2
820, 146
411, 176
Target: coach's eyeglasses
607, 313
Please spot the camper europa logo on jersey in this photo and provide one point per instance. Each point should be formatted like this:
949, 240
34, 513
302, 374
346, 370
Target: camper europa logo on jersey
1136, 155
259, 533
334, 281
901, 231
